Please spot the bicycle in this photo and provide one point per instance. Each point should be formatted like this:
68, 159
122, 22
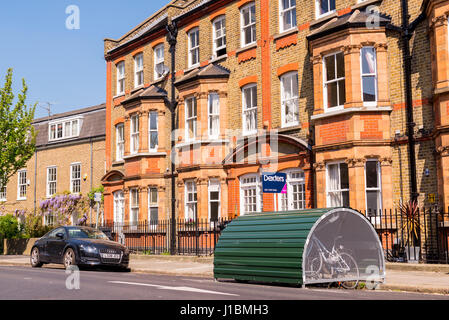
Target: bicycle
336, 263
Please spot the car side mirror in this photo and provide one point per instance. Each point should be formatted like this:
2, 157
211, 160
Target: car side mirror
60, 235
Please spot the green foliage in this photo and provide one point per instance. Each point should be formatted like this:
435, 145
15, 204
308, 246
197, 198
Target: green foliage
33, 226
17, 135
91, 194
9, 227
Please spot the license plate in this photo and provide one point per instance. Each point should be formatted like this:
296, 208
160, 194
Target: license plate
110, 256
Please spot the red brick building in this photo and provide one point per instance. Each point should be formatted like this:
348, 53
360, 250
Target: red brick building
311, 88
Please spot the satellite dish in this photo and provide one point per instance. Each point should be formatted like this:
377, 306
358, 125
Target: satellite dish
162, 70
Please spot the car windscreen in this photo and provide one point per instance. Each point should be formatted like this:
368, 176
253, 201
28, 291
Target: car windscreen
86, 233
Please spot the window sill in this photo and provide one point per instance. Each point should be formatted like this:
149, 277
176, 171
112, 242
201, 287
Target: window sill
324, 17
118, 163
285, 33
145, 154
119, 95
137, 88
364, 4
195, 142
349, 110
292, 127
220, 58
246, 48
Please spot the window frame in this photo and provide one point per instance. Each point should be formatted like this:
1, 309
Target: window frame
212, 117
284, 77
121, 77
22, 185
119, 202
63, 123
119, 144
318, 13
196, 48
138, 70
290, 195
282, 13
3, 193
150, 131
221, 19
193, 119
134, 134
252, 25
50, 182
194, 192
336, 80
250, 185
157, 60
375, 74
246, 110
72, 179
379, 183
152, 205
134, 206
340, 190
209, 190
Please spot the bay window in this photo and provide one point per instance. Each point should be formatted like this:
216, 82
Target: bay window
191, 199
191, 118
134, 134
373, 187
214, 199
369, 75
334, 81
153, 131
153, 207
337, 185
214, 115
134, 206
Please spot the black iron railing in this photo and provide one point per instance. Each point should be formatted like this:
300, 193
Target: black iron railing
154, 237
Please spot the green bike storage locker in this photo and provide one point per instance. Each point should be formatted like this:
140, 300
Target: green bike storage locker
300, 247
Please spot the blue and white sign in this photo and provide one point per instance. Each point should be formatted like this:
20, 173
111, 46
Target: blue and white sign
274, 182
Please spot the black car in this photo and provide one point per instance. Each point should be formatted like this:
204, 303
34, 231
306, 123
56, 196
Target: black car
81, 246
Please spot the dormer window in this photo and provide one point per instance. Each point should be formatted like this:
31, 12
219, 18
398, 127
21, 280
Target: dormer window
64, 129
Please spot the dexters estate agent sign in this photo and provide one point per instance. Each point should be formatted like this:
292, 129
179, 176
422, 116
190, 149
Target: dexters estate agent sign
274, 182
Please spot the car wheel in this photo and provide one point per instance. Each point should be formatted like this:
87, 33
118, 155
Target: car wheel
69, 258
35, 258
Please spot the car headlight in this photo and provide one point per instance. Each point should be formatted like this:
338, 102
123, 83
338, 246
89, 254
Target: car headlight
89, 249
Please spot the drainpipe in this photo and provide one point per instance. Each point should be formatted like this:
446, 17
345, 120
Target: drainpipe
35, 181
172, 34
406, 34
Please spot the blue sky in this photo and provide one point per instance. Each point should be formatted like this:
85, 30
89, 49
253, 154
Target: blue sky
61, 66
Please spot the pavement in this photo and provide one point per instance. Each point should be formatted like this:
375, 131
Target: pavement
422, 278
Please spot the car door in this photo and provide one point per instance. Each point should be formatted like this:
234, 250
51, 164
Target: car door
55, 245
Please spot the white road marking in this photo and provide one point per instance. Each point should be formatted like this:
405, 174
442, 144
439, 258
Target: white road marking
189, 289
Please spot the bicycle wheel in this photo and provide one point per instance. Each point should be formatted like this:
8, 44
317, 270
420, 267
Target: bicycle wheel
352, 274
314, 265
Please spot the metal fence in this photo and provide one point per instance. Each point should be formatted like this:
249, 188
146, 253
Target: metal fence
153, 237
428, 244
423, 238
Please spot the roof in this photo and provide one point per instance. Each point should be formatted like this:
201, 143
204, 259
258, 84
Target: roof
93, 125
147, 93
356, 19
211, 71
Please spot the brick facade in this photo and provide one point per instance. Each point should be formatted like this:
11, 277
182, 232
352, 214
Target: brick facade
86, 149
354, 134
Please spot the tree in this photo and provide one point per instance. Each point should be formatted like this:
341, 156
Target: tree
17, 135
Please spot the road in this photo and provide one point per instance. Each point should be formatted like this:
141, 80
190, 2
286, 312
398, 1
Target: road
49, 283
